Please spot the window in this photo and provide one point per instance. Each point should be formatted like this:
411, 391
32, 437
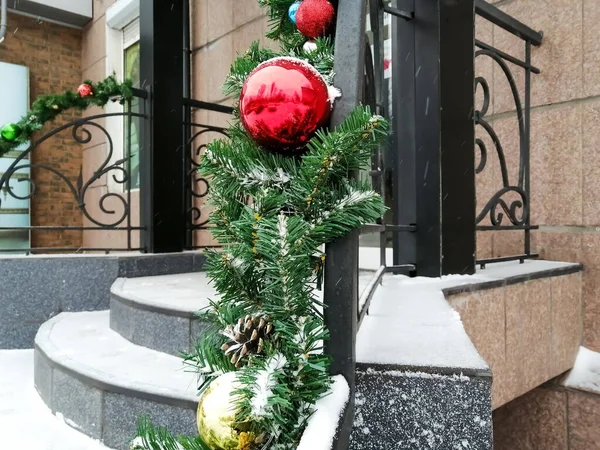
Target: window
131, 70
123, 59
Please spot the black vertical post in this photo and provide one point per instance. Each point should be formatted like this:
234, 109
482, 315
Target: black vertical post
341, 270
403, 151
444, 136
187, 120
162, 175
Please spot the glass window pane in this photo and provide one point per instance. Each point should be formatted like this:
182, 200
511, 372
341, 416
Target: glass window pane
132, 147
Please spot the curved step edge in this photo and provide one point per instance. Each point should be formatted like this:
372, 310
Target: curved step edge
101, 406
168, 330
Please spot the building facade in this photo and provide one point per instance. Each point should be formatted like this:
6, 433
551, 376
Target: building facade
565, 170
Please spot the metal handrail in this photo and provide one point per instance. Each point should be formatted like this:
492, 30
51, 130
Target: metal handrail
509, 23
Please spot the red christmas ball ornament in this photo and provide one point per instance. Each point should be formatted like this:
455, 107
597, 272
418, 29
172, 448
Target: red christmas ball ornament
314, 18
85, 90
283, 102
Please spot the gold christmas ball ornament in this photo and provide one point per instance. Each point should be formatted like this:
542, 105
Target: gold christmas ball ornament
216, 415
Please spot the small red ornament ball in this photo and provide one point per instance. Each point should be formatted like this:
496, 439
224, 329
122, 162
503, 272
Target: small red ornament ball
283, 102
85, 90
314, 18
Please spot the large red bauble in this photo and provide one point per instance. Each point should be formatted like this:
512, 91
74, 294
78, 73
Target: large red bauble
283, 102
314, 18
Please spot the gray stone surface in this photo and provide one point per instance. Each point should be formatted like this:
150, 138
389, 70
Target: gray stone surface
168, 334
17, 335
151, 265
121, 319
408, 410
197, 329
79, 403
84, 283
30, 290
42, 376
36, 288
121, 416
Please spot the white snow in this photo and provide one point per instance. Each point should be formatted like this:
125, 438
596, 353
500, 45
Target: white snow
322, 425
187, 292
25, 421
411, 323
265, 382
586, 372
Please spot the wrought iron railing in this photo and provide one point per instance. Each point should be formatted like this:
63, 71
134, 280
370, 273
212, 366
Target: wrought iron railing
509, 208
112, 211
426, 173
198, 135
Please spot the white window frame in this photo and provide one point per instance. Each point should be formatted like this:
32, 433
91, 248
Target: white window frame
118, 16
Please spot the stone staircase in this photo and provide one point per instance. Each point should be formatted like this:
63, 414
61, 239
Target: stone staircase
422, 379
101, 370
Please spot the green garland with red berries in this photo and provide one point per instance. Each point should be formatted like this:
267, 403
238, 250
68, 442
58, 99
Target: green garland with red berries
47, 107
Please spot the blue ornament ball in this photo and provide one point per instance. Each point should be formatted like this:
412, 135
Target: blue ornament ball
293, 10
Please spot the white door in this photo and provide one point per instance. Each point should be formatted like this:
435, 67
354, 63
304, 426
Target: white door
14, 213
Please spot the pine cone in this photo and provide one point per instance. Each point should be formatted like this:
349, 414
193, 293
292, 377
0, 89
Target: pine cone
247, 337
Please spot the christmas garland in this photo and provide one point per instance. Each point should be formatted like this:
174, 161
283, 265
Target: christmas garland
47, 107
280, 189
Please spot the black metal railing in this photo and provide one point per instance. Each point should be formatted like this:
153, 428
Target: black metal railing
111, 212
198, 136
509, 208
426, 172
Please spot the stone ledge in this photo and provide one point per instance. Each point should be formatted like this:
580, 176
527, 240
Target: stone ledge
566, 269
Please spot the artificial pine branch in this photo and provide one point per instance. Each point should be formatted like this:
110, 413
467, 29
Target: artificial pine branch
47, 107
272, 214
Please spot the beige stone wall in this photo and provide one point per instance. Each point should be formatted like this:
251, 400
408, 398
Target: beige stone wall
565, 131
565, 174
549, 418
222, 30
528, 332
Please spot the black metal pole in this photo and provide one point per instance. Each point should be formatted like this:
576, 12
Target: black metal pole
445, 136
403, 151
341, 270
162, 175
187, 120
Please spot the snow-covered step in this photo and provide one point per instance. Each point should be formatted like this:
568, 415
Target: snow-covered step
159, 312
101, 383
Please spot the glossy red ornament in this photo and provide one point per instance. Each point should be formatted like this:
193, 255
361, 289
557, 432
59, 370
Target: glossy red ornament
314, 18
85, 90
283, 102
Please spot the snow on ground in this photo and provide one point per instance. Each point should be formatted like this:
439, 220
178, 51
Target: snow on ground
26, 423
586, 372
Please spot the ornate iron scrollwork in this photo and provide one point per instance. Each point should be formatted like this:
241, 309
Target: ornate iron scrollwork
81, 133
198, 186
516, 211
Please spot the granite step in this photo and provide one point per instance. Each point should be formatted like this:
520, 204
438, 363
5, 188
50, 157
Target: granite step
101, 383
160, 312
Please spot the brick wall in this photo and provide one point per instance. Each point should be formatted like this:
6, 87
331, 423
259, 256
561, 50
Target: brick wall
53, 55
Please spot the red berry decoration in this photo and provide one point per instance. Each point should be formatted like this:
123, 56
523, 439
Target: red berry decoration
314, 18
85, 90
283, 102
